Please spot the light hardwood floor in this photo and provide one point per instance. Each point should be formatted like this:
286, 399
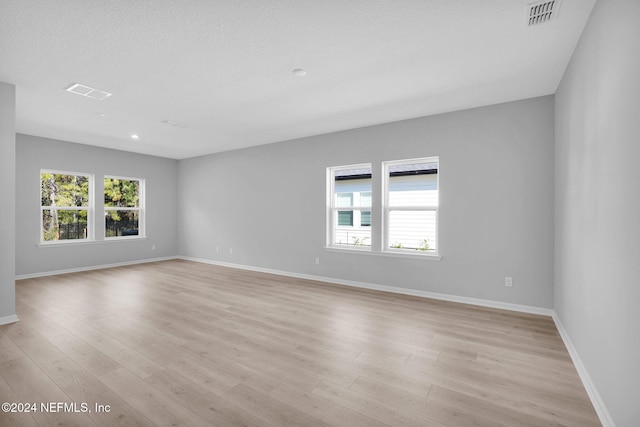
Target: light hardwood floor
182, 343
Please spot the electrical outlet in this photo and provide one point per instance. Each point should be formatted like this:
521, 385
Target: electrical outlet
508, 281
317, 260
230, 250
153, 247
217, 249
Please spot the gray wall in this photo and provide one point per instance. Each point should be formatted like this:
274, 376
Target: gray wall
161, 175
7, 202
597, 213
267, 203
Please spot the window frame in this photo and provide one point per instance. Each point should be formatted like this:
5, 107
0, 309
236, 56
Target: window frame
386, 209
333, 208
141, 208
90, 208
380, 209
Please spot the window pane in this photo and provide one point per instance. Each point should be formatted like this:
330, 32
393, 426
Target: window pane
121, 193
412, 230
365, 218
345, 218
351, 192
64, 190
353, 237
121, 223
413, 185
349, 235
344, 200
353, 187
365, 199
64, 225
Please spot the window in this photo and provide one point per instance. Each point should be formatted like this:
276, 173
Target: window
350, 206
407, 207
123, 207
66, 206
411, 204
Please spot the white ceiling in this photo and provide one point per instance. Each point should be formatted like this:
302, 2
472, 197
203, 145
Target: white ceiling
224, 68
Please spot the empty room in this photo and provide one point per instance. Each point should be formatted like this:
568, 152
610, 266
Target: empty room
320, 213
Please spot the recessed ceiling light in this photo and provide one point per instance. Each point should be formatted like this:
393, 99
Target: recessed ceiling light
299, 72
88, 91
135, 136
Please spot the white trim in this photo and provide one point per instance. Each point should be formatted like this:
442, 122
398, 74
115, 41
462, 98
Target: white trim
8, 319
412, 208
93, 267
349, 248
387, 253
61, 172
65, 208
125, 178
392, 289
80, 242
590, 387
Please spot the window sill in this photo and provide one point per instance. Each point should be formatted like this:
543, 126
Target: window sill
58, 243
394, 254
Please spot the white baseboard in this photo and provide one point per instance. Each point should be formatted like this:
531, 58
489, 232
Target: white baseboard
93, 267
596, 399
392, 289
8, 319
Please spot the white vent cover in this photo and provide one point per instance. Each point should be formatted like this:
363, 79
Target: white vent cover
87, 91
541, 12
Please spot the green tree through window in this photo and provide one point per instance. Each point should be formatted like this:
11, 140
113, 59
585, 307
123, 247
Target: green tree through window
123, 206
65, 206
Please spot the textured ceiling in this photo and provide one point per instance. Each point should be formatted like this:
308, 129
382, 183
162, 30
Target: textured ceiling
224, 68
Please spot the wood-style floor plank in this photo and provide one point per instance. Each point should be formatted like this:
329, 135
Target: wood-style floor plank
184, 343
84, 387
13, 419
31, 385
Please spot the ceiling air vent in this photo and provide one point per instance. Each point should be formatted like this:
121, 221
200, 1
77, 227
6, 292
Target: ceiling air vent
87, 91
541, 12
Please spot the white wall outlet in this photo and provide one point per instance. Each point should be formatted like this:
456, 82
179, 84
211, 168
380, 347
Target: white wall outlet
153, 247
508, 281
317, 260
230, 250
217, 249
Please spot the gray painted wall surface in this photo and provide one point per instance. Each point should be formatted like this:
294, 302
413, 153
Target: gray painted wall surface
267, 203
7, 201
597, 214
161, 175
